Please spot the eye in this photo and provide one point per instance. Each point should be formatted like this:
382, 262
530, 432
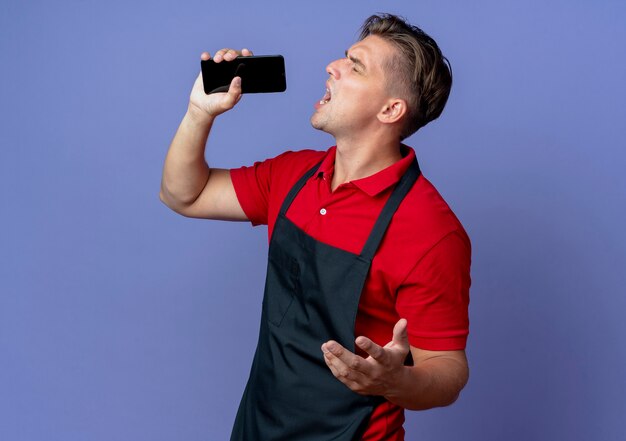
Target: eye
355, 66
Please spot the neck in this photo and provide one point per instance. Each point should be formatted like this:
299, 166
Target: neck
359, 160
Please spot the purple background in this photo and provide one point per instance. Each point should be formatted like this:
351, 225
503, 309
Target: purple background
120, 320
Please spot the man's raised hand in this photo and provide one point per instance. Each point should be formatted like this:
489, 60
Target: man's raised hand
209, 106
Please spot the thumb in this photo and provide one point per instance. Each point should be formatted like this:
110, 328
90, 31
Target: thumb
400, 337
232, 97
235, 89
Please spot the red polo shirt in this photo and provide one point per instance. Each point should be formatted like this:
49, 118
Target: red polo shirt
420, 271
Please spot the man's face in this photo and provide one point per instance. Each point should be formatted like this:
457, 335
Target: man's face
356, 90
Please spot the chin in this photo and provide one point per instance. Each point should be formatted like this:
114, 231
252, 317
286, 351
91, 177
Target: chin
319, 125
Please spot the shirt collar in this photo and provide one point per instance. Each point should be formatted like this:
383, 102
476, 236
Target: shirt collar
376, 183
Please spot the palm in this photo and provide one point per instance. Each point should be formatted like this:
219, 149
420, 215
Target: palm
214, 103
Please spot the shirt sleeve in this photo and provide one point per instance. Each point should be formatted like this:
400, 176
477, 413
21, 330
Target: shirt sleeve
435, 296
252, 186
263, 185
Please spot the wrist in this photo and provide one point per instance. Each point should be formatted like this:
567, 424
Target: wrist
199, 116
402, 384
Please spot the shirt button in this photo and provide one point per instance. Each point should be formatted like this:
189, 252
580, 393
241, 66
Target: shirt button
323, 211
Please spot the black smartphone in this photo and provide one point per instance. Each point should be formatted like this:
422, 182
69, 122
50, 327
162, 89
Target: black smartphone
259, 74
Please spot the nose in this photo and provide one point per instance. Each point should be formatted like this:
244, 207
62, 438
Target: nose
333, 69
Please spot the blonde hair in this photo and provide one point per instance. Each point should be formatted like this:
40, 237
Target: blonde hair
419, 68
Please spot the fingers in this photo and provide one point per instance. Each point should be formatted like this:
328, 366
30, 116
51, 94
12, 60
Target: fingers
400, 336
345, 365
368, 376
340, 356
227, 54
399, 341
375, 351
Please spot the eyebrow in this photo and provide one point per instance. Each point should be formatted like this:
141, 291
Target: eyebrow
356, 60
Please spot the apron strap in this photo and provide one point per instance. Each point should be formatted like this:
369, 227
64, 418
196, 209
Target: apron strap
296, 188
380, 227
392, 204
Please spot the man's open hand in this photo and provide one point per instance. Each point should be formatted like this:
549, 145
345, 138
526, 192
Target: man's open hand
376, 374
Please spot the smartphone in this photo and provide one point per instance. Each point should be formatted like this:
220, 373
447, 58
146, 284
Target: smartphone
259, 74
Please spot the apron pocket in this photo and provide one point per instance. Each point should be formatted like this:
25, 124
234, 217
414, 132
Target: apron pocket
281, 286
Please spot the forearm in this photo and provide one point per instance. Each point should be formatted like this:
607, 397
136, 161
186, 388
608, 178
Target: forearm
432, 383
186, 171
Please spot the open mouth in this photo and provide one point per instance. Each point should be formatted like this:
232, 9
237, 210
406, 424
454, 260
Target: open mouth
326, 97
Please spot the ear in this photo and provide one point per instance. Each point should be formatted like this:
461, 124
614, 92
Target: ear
393, 110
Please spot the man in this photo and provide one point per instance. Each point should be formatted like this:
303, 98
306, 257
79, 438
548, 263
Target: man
361, 245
